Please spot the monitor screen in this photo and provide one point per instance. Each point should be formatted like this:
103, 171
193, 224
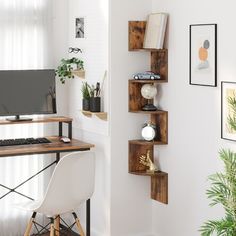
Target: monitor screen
27, 92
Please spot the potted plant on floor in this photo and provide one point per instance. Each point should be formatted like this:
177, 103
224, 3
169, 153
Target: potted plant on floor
86, 96
67, 67
223, 192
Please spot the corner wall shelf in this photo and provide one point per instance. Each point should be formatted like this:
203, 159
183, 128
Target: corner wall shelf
159, 65
100, 115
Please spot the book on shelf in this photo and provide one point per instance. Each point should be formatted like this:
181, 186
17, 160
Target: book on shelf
155, 31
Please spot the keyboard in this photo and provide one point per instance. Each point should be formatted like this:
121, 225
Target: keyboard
23, 141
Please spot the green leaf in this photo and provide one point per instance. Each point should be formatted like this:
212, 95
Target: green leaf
223, 192
64, 70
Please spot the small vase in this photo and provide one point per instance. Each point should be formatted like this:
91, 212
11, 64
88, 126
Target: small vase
86, 104
54, 106
95, 104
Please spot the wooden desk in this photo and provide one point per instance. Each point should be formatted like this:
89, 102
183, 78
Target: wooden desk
56, 146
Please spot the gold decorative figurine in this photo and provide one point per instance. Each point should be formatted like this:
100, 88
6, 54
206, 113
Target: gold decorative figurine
146, 161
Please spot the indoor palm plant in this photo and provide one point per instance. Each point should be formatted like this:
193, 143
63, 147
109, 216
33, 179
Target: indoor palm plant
223, 192
67, 66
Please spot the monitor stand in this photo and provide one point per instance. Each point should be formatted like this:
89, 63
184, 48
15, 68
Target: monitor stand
17, 118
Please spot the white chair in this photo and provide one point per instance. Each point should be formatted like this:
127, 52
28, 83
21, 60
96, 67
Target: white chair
71, 184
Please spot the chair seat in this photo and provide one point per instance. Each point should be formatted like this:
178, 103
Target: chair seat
29, 205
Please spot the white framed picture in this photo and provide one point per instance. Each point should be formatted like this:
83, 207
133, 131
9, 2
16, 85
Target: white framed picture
228, 110
203, 54
79, 27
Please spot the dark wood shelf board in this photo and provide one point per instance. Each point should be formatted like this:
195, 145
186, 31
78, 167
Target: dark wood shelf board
144, 173
149, 112
53, 119
136, 37
136, 34
144, 142
159, 188
148, 81
148, 50
55, 146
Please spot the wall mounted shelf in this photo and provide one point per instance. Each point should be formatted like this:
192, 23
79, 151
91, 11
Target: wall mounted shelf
100, 115
79, 73
142, 81
159, 65
159, 180
144, 142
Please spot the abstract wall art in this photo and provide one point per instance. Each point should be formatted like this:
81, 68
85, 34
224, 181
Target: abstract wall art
203, 54
228, 110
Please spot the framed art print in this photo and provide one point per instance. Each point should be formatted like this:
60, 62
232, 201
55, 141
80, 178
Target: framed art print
79, 27
228, 110
203, 54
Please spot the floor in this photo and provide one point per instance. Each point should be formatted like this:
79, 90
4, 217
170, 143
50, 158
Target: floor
48, 234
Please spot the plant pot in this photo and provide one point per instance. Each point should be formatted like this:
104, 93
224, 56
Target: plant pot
95, 104
86, 104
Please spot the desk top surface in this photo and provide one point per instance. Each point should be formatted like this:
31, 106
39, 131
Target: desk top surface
56, 146
47, 119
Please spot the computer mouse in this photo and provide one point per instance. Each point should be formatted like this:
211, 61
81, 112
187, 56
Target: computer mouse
65, 140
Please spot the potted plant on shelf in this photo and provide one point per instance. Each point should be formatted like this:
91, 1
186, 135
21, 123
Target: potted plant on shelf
223, 192
95, 98
69, 66
86, 96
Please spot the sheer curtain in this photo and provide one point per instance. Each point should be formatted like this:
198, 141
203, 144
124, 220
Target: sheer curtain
25, 28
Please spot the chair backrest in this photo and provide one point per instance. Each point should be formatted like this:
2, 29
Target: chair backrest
71, 184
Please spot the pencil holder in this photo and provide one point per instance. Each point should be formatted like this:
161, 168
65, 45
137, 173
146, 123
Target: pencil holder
95, 104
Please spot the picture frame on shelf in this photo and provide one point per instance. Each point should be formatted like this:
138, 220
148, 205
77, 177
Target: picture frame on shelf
228, 110
203, 54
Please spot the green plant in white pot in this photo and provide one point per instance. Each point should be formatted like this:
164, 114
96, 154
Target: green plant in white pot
223, 192
67, 66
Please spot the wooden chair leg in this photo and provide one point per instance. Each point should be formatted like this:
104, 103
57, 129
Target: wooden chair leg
81, 232
57, 225
30, 224
52, 227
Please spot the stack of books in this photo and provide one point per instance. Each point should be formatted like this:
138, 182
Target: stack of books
155, 31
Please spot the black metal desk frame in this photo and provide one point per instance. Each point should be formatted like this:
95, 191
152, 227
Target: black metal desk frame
14, 190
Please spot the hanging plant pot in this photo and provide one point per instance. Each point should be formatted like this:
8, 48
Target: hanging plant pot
86, 104
95, 104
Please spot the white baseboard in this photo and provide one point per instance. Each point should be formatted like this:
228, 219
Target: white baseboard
96, 233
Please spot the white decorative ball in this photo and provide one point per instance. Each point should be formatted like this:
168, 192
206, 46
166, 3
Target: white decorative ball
149, 91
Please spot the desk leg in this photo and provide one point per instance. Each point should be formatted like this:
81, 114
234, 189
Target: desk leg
88, 217
60, 131
58, 157
70, 130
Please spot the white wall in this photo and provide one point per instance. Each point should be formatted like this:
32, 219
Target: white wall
93, 130
121, 205
194, 118
60, 47
130, 195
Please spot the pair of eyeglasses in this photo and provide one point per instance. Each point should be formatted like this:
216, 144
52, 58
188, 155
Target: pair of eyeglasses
75, 50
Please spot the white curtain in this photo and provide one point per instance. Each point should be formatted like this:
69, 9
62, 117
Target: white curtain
25, 34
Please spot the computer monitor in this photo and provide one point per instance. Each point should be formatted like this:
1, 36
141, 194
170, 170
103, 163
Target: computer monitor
27, 92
